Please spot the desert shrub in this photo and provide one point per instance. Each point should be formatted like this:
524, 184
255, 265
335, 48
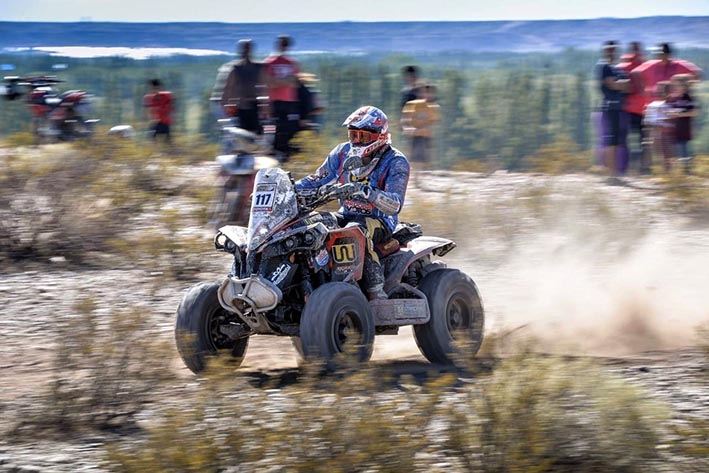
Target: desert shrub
107, 367
484, 166
690, 444
690, 440
45, 209
24, 138
531, 414
164, 246
547, 414
700, 166
76, 201
559, 157
333, 424
687, 194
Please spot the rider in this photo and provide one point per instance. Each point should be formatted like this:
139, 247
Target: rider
372, 194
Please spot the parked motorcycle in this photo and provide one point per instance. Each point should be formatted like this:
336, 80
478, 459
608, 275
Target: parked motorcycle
296, 273
56, 116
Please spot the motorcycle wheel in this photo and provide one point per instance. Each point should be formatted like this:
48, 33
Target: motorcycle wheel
457, 317
197, 334
337, 320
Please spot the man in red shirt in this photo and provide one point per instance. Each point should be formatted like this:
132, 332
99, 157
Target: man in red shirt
282, 81
160, 106
662, 69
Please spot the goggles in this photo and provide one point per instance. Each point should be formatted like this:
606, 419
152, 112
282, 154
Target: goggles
363, 137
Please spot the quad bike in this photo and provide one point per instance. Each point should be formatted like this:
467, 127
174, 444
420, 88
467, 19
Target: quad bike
55, 116
296, 273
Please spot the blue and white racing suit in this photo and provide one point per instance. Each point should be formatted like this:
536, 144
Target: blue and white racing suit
379, 214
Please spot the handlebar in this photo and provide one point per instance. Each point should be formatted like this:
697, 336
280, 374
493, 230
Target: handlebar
310, 199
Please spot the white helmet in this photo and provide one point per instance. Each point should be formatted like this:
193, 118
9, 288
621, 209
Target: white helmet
368, 131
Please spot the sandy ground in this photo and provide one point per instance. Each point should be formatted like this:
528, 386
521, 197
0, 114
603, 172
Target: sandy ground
586, 268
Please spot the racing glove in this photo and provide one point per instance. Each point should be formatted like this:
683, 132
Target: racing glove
354, 189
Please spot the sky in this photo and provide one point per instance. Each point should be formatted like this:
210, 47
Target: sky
296, 11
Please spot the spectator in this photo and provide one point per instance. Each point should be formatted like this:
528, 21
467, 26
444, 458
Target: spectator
684, 110
634, 107
662, 69
160, 105
417, 120
658, 116
310, 106
243, 85
411, 88
215, 98
282, 80
613, 84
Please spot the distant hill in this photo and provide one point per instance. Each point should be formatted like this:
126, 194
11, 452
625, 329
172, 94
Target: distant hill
345, 37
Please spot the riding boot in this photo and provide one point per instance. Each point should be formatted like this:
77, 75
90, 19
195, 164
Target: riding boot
374, 280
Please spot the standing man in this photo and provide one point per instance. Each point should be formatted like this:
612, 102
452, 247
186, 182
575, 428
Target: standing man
215, 98
245, 82
663, 68
634, 105
160, 106
417, 120
282, 81
410, 91
613, 84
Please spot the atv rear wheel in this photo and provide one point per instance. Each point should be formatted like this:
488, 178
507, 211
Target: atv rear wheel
197, 334
457, 317
336, 319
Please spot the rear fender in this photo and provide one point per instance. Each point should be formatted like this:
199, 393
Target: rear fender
416, 249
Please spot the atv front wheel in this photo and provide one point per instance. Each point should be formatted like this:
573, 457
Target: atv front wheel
336, 319
197, 329
457, 317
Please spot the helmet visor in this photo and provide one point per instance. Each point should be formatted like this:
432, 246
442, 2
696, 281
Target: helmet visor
362, 137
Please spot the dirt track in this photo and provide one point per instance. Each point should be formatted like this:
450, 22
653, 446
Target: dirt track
587, 268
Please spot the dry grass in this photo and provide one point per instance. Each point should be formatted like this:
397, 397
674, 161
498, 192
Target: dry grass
559, 157
106, 370
18, 139
530, 414
78, 201
688, 194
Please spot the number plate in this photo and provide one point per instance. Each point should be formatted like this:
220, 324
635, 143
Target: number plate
263, 198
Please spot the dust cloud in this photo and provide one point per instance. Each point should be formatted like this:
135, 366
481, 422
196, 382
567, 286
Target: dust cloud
605, 296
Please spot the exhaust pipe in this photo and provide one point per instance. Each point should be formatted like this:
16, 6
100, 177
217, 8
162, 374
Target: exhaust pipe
254, 294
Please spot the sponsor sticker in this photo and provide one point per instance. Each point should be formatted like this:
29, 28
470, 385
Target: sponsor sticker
322, 258
343, 253
280, 274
